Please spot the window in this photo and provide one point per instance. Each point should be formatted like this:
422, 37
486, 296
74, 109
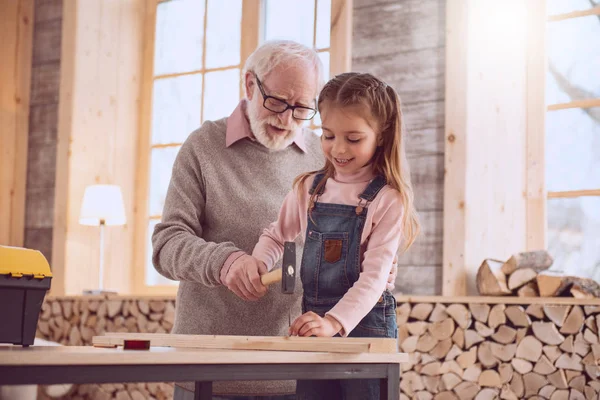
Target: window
573, 136
196, 51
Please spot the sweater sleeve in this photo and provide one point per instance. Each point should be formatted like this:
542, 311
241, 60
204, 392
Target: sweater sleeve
381, 248
178, 250
269, 248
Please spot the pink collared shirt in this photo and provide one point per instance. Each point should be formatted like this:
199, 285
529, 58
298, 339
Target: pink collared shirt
238, 128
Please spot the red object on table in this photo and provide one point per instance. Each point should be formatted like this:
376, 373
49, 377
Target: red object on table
136, 345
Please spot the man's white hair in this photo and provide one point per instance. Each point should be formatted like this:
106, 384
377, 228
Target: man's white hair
275, 52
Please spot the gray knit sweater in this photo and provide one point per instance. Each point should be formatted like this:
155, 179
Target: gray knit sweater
219, 200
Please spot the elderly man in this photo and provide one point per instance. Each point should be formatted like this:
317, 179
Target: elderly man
228, 182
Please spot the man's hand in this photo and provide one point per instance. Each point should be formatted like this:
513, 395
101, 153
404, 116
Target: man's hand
391, 282
311, 324
243, 278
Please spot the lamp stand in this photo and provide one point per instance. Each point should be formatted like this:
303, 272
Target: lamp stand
100, 289
101, 268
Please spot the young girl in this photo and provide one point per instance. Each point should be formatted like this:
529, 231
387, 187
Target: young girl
354, 213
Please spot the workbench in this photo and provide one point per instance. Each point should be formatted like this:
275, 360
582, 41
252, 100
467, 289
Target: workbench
85, 364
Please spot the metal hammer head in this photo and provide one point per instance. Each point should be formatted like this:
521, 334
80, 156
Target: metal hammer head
288, 268
287, 273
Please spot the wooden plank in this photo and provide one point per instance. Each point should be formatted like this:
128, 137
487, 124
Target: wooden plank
417, 76
427, 174
251, 33
573, 193
425, 115
41, 168
40, 239
588, 103
47, 10
425, 141
63, 137
195, 72
574, 14
358, 4
16, 31
88, 355
127, 63
46, 41
45, 83
140, 216
105, 63
427, 248
341, 37
482, 191
536, 131
279, 343
454, 236
43, 124
419, 280
40, 203
424, 127
398, 26
497, 300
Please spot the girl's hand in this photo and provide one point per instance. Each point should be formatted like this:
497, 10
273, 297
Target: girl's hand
311, 324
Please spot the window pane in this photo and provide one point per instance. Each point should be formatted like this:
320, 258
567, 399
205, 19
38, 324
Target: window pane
153, 278
574, 236
573, 59
290, 19
324, 56
179, 34
160, 174
176, 108
223, 33
573, 149
323, 23
222, 93
562, 7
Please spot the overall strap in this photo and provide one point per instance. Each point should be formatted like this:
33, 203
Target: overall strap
318, 178
368, 195
373, 188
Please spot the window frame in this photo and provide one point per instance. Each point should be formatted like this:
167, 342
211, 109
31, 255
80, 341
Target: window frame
251, 34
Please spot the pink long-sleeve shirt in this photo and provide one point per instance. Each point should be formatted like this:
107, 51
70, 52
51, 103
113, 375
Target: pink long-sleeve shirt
379, 242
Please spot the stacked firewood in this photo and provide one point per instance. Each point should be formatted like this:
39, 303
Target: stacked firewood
524, 275
490, 351
75, 320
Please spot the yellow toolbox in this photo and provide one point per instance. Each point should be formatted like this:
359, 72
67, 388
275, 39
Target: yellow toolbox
24, 279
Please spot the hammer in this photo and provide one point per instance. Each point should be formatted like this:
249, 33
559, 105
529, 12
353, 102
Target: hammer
287, 273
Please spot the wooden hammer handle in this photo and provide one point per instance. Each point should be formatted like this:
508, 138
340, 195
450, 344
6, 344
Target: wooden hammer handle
271, 277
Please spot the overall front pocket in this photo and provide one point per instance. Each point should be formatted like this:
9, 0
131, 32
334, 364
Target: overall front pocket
333, 250
333, 276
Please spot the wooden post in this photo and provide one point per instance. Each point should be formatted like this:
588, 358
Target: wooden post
494, 171
341, 37
16, 44
101, 64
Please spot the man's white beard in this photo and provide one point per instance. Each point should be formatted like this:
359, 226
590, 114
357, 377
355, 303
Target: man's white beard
259, 129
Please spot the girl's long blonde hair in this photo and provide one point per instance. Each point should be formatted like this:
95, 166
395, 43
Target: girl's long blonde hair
382, 105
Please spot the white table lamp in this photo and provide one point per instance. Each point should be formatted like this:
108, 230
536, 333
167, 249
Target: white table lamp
102, 205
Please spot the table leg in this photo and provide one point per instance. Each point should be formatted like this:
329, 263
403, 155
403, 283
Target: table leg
203, 391
389, 387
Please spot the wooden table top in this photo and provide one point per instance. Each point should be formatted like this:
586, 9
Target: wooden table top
88, 355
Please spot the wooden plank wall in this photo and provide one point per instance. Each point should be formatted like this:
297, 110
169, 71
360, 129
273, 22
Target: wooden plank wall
100, 93
43, 123
16, 21
489, 105
403, 42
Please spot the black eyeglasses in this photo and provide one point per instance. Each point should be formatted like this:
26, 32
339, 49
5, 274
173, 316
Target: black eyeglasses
280, 106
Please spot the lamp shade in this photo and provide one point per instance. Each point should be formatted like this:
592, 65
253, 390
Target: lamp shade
102, 202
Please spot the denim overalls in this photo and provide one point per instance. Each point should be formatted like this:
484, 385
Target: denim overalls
330, 266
